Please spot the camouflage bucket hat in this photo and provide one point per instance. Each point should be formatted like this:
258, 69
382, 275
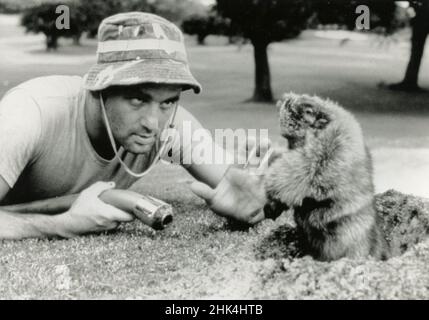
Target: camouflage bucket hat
138, 47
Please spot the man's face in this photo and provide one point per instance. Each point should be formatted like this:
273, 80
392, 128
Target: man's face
138, 114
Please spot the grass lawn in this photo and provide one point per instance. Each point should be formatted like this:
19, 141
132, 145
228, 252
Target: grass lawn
200, 255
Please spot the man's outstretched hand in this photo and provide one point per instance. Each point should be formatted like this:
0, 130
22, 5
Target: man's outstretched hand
240, 194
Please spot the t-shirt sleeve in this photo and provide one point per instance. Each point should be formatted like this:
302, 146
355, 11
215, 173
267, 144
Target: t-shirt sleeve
20, 131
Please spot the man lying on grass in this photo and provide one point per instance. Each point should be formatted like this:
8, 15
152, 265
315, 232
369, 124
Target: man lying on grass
62, 135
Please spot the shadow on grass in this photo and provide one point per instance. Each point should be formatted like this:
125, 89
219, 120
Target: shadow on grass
370, 98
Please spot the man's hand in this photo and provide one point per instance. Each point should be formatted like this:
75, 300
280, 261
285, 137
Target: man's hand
240, 194
90, 214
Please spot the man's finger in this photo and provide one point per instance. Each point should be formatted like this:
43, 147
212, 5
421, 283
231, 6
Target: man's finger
250, 143
202, 190
114, 213
262, 144
265, 144
97, 188
259, 148
263, 165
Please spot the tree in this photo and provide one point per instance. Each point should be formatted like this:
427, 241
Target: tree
384, 14
197, 25
264, 22
420, 30
42, 18
174, 10
203, 26
16, 6
85, 16
92, 12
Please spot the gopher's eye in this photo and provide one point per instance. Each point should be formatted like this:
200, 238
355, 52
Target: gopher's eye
308, 110
321, 123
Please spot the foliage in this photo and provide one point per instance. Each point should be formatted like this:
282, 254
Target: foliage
43, 17
173, 10
85, 16
204, 25
94, 11
16, 6
384, 14
268, 21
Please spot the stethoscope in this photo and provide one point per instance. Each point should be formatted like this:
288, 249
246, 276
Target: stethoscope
161, 151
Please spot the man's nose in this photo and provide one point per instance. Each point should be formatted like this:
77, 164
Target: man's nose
150, 117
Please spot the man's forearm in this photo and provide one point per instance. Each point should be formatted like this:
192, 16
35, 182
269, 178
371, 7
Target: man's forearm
19, 226
45, 206
65, 216
211, 173
35, 219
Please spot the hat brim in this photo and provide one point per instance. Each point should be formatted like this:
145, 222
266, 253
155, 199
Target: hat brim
123, 73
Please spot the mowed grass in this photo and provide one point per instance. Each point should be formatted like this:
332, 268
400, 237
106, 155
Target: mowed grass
201, 255
192, 258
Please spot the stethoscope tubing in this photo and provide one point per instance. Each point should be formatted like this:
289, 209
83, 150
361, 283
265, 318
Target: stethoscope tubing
160, 152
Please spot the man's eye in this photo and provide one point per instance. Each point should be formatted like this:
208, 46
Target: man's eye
136, 101
168, 105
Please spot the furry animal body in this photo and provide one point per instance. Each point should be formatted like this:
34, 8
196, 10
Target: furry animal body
325, 175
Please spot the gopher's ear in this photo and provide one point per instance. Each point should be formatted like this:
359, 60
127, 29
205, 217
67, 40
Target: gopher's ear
279, 104
288, 98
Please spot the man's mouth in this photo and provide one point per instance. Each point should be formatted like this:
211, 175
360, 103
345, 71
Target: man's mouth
144, 139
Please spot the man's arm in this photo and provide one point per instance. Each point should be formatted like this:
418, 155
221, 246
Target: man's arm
87, 214
210, 174
229, 190
18, 226
20, 118
188, 131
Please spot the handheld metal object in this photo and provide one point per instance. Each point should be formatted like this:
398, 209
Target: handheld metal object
153, 212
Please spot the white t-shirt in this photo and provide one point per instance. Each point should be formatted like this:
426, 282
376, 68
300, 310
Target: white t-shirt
45, 150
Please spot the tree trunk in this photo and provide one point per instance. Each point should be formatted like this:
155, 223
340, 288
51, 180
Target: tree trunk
201, 39
76, 39
420, 29
418, 41
51, 42
262, 92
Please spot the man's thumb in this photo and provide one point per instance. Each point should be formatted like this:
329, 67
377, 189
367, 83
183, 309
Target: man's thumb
202, 190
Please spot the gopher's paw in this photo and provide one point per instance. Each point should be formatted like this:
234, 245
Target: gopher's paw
274, 208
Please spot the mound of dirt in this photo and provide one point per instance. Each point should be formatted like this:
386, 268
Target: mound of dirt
404, 276
405, 220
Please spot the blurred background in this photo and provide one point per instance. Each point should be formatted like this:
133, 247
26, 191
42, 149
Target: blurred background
246, 53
